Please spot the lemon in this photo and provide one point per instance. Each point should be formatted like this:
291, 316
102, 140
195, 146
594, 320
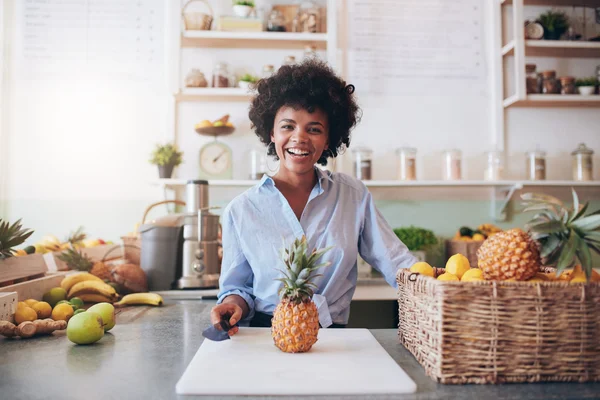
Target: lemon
22, 304
478, 237
62, 312
30, 302
458, 265
579, 279
25, 314
472, 274
203, 124
536, 279
42, 309
219, 123
447, 277
422, 268
54, 295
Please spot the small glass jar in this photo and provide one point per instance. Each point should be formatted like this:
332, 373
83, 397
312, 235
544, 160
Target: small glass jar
407, 163
195, 78
494, 167
289, 60
583, 166
220, 77
310, 51
362, 163
532, 82
567, 85
267, 71
536, 165
258, 163
276, 21
452, 168
550, 85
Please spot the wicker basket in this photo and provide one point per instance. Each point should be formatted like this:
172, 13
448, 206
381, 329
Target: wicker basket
197, 21
496, 332
467, 249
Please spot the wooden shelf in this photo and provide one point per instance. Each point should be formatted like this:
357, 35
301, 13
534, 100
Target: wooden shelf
253, 39
553, 100
392, 183
576, 3
202, 94
562, 48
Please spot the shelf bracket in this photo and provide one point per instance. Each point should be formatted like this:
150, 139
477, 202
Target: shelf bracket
498, 206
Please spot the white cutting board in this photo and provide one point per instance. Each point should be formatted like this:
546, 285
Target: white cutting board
343, 361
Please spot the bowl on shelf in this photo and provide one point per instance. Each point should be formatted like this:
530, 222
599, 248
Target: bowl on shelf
215, 130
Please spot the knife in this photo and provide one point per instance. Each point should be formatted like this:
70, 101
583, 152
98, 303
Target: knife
218, 331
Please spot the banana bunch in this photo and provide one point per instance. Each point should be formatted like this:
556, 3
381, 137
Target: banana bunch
152, 299
72, 279
88, 288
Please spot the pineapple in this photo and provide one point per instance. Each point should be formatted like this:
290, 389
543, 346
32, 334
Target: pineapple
565, 235
295, 323
75, 238
507, 255
11, 236
78, 261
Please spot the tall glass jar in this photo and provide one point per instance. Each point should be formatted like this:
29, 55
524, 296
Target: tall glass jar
567, 85
258, 163
220, 77
550, 85
362, 163
583, 166
536, 165
494, 169
407, 163
532, 83
452, 165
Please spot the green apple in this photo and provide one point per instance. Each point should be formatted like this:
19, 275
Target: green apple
106, 312
76, 301
54, 295
85, 328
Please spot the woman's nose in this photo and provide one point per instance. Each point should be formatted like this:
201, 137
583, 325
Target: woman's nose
300, 136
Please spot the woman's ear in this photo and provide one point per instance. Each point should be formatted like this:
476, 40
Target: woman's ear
272, 136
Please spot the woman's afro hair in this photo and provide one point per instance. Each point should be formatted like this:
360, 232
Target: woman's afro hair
308, 85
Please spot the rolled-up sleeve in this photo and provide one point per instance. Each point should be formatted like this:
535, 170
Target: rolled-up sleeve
236, 274
379, 246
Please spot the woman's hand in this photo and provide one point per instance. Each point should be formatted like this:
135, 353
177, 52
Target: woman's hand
230, 312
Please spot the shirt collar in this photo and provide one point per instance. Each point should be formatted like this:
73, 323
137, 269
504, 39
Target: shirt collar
266, 179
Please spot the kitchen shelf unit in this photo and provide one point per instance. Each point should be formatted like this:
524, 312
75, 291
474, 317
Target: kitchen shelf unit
498, 192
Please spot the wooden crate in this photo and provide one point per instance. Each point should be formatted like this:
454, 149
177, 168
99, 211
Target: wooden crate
19, 269
8, 305
35, 288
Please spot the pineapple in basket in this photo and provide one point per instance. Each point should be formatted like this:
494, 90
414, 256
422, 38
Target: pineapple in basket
296, 319
566, 235
76, 260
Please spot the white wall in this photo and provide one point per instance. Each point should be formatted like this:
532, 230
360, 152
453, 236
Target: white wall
77, 154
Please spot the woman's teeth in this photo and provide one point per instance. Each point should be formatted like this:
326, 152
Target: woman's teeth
297, 152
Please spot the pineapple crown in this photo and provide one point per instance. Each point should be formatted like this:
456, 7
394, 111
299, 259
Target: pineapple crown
76, 237
300, 271
11, 236
76, 260
565, 235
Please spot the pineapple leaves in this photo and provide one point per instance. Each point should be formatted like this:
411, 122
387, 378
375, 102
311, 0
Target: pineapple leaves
542, 198
549, 246
585, 258
547, 227
575, 202
580, 213
589, 223
12, 235
567, 255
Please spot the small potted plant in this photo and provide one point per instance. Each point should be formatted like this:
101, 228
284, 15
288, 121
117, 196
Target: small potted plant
555, 24
246, 80
167, 157
418, 240
243, 9
586, 86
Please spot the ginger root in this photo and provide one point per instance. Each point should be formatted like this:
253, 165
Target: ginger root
30, 328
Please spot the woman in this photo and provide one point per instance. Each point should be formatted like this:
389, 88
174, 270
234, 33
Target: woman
304, 114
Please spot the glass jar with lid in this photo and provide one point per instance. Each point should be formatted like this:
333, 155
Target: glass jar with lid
536, 165
289, 60
310, 51
258, 163
583, 166
276, 21
267, 71
407, 163
494, 167
567, 85
220, 78
532, 81
452, 165
362, 162
550, 85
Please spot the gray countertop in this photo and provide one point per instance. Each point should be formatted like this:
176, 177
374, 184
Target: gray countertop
144, 356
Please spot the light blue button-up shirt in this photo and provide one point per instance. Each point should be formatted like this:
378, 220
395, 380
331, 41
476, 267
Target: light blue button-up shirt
340, 212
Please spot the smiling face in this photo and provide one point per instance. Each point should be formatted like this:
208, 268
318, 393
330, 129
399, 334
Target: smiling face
300, 139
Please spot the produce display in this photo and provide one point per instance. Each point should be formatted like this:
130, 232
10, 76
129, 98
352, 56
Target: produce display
482, 232
223, 121
296, 319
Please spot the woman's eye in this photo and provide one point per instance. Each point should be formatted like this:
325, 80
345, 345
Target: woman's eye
287, 127
314, 130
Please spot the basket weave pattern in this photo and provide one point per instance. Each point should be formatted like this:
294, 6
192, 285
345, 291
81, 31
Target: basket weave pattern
496, 332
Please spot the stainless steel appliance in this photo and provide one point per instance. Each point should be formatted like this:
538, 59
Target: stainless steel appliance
181, 251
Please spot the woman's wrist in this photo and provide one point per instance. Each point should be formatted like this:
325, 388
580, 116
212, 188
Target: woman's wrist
239, 300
